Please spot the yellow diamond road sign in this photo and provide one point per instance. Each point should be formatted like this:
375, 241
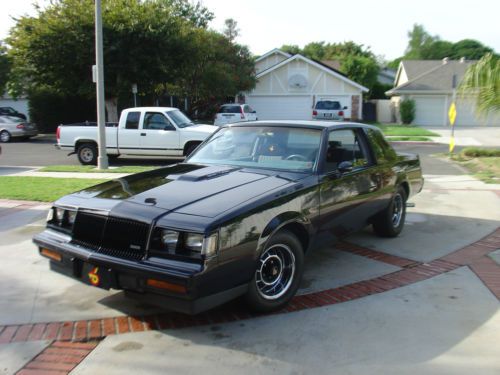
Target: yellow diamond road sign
452, 113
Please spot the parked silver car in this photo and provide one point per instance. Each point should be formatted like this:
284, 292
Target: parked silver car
15, 127
231, 113
328, 110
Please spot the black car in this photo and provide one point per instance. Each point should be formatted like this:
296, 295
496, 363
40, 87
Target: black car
9, 111
236, 218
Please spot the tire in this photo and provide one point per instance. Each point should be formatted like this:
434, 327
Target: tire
87, 154
5, 136
390, 222
190, 149
273, 284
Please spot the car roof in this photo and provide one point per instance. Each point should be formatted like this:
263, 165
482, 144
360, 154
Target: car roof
305, 124
228, 104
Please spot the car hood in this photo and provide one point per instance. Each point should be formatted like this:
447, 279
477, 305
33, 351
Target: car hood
201, 128
185, 188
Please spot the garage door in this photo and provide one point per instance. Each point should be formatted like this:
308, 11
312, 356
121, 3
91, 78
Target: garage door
281, 107
430, 110
467, 117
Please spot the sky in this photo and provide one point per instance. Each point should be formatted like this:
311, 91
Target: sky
381, 25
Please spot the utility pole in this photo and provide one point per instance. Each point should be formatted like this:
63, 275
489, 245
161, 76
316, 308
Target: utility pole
102, 160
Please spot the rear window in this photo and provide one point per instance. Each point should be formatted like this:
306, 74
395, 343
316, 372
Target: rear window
230, 109
132, 120
327, 105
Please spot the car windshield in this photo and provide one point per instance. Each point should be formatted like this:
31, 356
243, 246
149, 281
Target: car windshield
283, 148
180, 119
327, 105
230, 109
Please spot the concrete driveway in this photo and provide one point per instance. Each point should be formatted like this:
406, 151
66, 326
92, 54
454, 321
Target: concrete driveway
426, 302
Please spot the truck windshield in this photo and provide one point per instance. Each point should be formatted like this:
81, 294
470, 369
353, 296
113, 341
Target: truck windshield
282, 148
180, 119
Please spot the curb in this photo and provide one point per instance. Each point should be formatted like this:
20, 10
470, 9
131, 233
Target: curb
473, 256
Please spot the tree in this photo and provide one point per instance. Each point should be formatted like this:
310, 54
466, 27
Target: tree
4, 68
482, 81
231, 30
437, 50
470, 49
144, 43
292, 49
419, 41
356, 62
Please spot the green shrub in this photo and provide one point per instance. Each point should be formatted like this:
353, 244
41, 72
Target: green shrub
407, 111
474, 152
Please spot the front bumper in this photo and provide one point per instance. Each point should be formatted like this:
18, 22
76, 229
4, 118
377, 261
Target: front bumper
189, 294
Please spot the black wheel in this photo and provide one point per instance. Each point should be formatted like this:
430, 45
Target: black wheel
5, 136
390, 222
191, 148
87, 154
278, 273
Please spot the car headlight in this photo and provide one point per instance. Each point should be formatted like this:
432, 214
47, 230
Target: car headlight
61, 217
170, 239
175, 242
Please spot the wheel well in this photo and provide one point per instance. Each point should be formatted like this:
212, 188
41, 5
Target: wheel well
299, 231
80, 142
406, 188
189, 144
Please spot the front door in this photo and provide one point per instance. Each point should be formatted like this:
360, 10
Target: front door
346, 194
158, 135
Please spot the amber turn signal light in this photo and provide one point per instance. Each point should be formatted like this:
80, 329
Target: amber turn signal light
166, 285
51, 254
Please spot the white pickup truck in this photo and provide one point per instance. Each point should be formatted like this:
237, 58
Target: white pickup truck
156, 131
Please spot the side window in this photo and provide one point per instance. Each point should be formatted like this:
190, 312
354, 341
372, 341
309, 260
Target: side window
132, 120
156, 121
247, 109
344, 145
381, 149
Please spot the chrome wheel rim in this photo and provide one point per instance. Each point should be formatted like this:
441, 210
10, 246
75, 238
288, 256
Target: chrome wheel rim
86, 154
275, 272
397, 210
4, 136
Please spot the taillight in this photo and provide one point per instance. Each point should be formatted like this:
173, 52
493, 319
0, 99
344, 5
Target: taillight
20, 126
341, 113
58, 133
242, 114
315, 113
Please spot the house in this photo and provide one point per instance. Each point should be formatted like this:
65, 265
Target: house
288, 86
430, 83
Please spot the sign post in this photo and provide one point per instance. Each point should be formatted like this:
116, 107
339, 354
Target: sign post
452, 113
102, 159
134, 91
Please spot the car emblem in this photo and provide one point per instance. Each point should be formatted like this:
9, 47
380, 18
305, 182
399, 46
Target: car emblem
135, 247
94, 277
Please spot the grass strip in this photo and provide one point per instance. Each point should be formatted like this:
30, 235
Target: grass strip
93, 169
44, 189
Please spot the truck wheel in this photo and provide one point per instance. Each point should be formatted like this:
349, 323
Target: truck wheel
390, 222
277, 274
4, 136
87, 154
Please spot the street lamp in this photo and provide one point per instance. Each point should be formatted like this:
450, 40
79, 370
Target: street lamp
102, 160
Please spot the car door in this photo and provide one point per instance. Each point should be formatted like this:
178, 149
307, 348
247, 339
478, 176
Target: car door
158, 135
348, 186
129, 140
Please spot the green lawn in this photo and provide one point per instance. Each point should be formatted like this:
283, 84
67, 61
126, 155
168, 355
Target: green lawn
409, 138
45, 189
405, 130
93, 169
482, 163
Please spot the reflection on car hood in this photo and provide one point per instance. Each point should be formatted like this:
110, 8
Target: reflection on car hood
189, 188
201, 128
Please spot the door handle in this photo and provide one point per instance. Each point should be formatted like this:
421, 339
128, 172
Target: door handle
143, 134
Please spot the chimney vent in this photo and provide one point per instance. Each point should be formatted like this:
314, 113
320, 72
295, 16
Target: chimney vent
462, 60
445, 60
